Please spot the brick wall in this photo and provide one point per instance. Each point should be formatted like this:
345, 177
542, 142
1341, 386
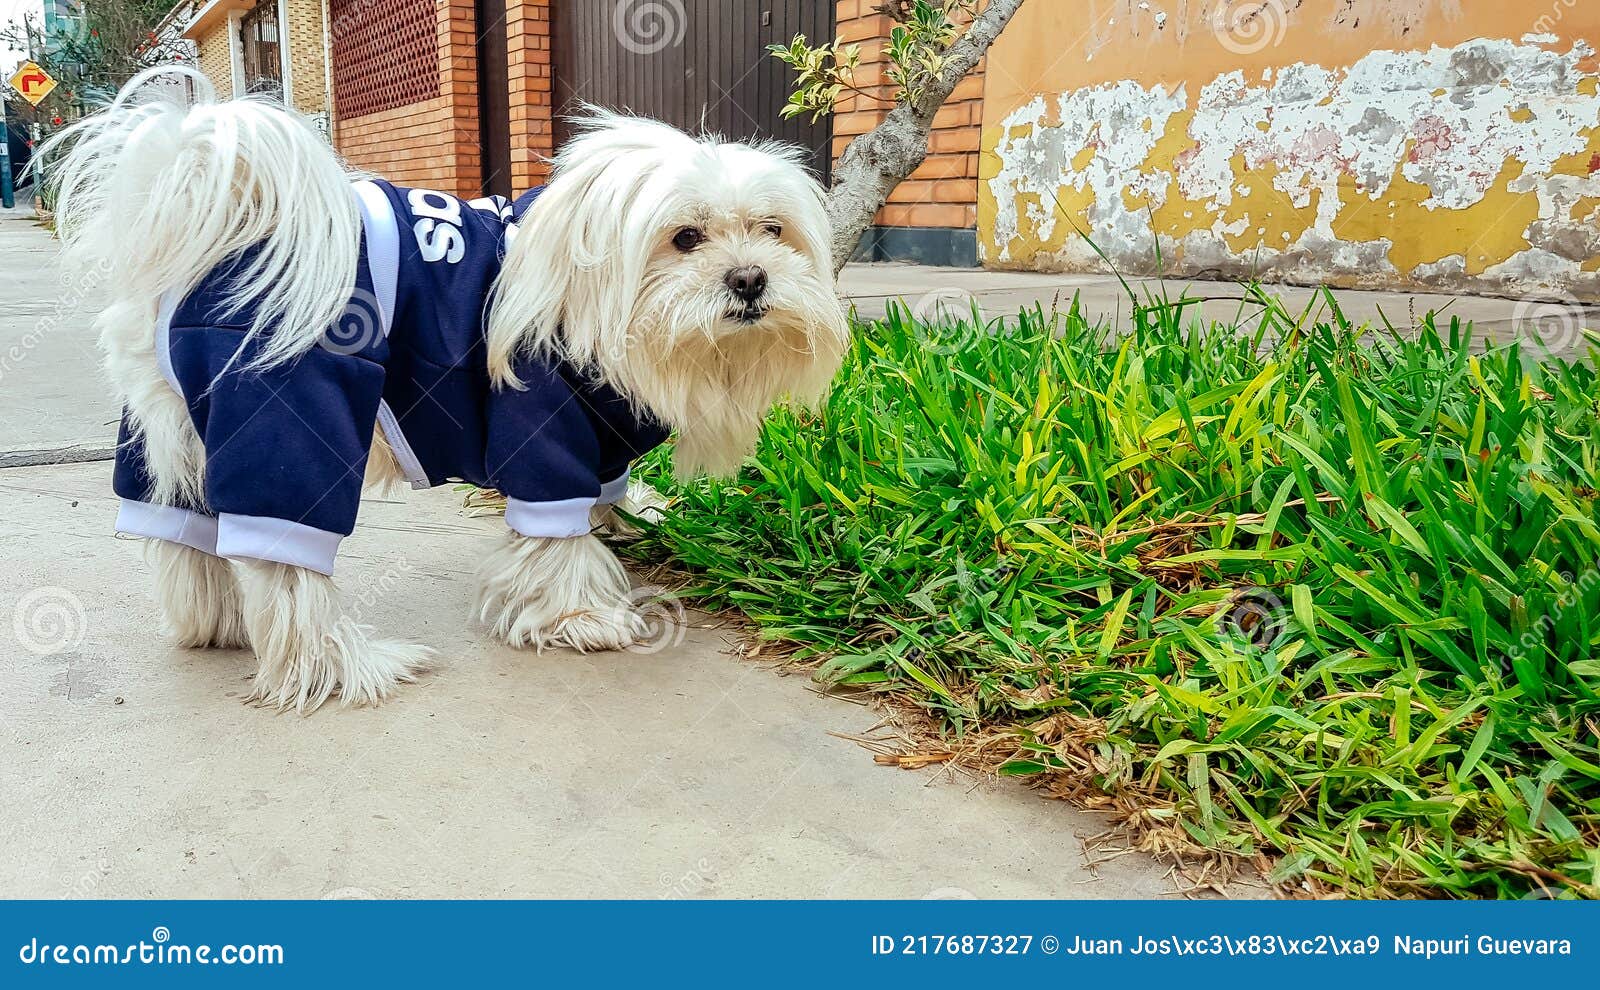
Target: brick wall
308, 72
433, 143
944, 191
531, 83
216, 60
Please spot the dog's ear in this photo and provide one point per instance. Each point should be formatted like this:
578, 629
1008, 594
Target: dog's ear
573, 266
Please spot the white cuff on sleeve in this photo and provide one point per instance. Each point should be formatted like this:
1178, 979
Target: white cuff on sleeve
168, 522
278, 540
561, 520
612, 492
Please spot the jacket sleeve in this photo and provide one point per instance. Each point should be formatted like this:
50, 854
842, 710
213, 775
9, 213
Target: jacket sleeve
542, 454
286, 447
140, 514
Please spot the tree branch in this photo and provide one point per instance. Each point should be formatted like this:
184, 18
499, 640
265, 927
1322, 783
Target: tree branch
878, 161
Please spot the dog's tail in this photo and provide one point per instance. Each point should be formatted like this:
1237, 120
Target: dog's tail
165, 184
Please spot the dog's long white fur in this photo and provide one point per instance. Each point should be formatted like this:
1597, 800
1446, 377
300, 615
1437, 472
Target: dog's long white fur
152, 193
158, 188
592, 277
155, 191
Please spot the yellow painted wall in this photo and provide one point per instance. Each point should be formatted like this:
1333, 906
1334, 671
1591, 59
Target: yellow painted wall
1410, 143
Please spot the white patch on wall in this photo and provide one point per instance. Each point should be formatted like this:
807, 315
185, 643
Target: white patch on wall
1449, 119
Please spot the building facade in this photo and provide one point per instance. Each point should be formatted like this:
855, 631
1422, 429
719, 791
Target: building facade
1377, 143
261, 46
1384, 143
467, 95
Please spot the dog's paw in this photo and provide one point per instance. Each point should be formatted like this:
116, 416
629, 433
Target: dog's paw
201, 604
641, 502
545, 593
614, 627
348, 664
192, 634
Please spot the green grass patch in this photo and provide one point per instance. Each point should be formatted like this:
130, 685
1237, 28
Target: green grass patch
1308, 593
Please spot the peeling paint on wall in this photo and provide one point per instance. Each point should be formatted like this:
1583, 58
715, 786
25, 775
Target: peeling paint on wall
1476, 165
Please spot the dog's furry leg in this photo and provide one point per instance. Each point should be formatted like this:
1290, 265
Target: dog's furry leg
641, 502
558, 592
307, 648
199, 597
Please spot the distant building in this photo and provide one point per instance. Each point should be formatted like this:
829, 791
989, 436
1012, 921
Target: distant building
1363, 143
62, 19
261, 46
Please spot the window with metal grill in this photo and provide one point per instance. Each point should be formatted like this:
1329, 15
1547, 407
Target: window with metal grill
385, 54
262, 51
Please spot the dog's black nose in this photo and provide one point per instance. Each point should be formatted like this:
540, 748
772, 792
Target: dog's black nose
748, 283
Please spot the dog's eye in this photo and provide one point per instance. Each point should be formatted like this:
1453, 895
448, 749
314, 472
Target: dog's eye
689, 238
773, 227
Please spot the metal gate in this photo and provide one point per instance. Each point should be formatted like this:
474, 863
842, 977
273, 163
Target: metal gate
699, 64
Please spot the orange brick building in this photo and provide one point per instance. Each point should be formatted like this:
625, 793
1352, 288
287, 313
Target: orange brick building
467, 95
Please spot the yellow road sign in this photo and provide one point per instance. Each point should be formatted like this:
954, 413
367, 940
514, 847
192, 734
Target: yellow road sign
32, 82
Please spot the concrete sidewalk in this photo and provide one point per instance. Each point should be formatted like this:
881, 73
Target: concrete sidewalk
132, 769
1556, 323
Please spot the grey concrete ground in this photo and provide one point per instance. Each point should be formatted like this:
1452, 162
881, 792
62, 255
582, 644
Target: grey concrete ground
52, 402
130, 768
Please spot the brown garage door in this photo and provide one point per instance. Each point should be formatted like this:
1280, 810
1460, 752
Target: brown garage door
693, 63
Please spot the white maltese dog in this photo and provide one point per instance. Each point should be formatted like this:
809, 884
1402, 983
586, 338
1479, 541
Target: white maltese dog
282, 331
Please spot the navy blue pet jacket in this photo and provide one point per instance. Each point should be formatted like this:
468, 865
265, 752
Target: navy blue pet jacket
286, 448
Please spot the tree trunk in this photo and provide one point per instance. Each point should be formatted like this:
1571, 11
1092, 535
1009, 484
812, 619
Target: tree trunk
878, 161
